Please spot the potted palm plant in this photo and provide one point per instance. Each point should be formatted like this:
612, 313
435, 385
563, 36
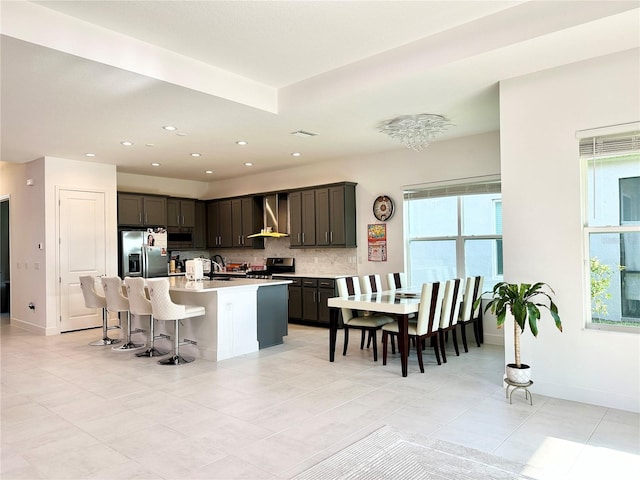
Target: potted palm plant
523, 301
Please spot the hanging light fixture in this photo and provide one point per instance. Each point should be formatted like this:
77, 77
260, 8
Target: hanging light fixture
415, 131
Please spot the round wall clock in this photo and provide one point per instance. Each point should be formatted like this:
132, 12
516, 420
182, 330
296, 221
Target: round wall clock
383, 208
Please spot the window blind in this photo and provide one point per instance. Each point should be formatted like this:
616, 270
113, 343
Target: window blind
610, 145
453, 190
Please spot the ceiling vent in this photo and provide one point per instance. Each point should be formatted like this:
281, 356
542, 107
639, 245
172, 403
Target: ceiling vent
302, 133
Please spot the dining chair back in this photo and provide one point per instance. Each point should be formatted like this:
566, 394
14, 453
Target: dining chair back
118, 303
371, 323
348, 286
427, 325
396, 280
370, 283
449, 314
430, 308
94, 300
468, 314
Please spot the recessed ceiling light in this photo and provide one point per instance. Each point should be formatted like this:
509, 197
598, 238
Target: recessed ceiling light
248, 164
296, 154
126, 143
149, 145
170, 128
242, 142
89, 154
181, 134
155, 164
195, 154
208, 171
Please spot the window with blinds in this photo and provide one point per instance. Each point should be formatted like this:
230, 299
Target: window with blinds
612, 229
454, 231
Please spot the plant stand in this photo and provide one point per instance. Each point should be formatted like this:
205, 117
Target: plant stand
516, 386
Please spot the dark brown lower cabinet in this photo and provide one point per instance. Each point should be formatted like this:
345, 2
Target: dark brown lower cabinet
308, 300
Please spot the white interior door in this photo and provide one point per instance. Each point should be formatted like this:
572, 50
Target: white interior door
82, 252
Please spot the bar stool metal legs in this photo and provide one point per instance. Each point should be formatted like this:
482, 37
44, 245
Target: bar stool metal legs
129, 345
176, 358
106, 340
152, 351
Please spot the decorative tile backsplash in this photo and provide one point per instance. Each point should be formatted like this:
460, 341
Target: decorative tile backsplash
333, 261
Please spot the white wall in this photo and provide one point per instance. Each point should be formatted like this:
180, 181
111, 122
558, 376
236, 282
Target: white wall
33, 220
541, 192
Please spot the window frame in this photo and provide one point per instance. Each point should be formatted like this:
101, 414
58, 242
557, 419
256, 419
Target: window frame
631, 129
460, 239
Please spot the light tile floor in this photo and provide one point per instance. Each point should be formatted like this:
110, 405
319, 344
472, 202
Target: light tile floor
70, 410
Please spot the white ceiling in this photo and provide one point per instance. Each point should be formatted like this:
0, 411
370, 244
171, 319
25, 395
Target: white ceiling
80, 76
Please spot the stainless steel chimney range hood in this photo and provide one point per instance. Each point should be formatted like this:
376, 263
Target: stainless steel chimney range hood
276, 216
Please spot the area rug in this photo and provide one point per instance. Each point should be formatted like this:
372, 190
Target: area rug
390, 455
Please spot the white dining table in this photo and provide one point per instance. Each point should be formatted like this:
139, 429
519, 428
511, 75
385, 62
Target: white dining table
400, 303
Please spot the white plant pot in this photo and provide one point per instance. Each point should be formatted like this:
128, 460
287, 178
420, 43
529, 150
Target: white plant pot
518, 375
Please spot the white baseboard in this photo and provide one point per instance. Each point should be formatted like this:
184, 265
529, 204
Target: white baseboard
33, 328
493, 339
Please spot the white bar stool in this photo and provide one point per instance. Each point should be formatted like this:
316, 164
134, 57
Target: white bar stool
93, 299
117, 302
140, 305
164, 309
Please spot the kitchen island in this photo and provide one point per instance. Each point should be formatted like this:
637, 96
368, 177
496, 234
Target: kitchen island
242, 315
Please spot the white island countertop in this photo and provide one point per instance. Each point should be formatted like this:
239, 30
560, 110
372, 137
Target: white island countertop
181, 284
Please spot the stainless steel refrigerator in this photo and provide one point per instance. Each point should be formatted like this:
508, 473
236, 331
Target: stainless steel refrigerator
138, 258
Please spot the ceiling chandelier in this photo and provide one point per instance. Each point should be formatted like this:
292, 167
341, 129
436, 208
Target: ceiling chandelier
415, 131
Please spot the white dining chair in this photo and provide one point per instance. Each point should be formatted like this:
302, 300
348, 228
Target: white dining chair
427, 326
370, 283
468, 314
449, 315
396, 280
348, 286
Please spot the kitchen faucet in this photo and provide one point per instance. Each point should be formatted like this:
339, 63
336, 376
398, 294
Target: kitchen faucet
218, 260
216, 264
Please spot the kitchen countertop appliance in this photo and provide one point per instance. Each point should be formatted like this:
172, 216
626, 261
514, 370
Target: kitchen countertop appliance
195, 269
274, 265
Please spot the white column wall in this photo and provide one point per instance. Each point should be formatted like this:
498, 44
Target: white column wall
542, 227
26, 228
33, 220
